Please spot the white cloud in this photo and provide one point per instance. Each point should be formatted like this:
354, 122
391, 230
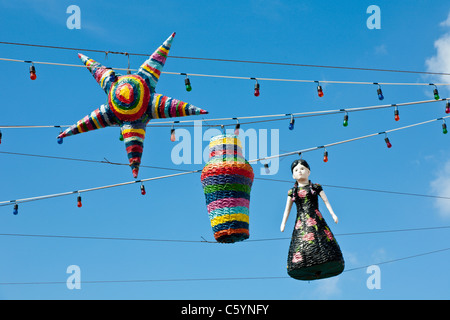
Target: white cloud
441, 187
327, 288
446, 23
440, 62
381, 50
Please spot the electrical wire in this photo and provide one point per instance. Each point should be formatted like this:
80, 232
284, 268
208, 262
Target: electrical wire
106, 52
88, 160
184, 170
365, 189
298, 152
219, 278
73, 237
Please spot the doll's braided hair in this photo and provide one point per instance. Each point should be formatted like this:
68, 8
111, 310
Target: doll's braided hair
293, 165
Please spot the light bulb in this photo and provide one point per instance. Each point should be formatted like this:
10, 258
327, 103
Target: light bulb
444, 128
325, 156
256, 89
121, 136
291, 123
447, 107
380, 94
266, 167
79, 204
345, 123
59, 140
16, 209
1, 136
436, 94
388, 143
143, 190
396, 115
187, 82
32, 72
172, 135
319, 91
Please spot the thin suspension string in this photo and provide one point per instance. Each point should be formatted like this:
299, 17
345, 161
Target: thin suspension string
366, 189
75, 237
283, 116
256, 178
106, 161
240, 77
230, 60
16, 201
223, 278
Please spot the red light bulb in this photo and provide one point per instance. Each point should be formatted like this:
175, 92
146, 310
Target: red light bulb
319, 91
256, 90
79, 204
172, 135
396, 117
447, 107
32, 73
143, 190
388, 143
325, 156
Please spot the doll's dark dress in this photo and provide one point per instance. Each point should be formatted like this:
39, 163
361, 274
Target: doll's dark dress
314, 252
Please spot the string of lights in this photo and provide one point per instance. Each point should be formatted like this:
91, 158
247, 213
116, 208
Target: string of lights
280, 116
386, 139
257, 84
298, 152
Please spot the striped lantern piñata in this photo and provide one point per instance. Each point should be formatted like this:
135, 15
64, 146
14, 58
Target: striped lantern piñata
227, 180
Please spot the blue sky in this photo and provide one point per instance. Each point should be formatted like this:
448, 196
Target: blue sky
414, 35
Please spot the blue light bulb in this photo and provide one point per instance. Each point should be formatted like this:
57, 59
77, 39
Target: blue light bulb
380, 94
291, 123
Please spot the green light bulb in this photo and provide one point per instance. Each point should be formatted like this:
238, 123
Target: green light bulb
345, 123
188, 84
436, 94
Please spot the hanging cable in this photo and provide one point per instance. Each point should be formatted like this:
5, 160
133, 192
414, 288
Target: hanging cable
156, 123
220, 278
231, 60
266, 166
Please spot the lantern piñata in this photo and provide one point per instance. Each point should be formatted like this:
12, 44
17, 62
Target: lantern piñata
227, 179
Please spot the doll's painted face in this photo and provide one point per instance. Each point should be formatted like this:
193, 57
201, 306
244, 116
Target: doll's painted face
301, 173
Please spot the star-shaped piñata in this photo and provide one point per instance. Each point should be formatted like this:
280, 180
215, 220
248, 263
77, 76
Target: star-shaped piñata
132, 103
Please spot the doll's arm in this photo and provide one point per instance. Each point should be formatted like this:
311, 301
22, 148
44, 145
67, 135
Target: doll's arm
287, 210
328, 205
